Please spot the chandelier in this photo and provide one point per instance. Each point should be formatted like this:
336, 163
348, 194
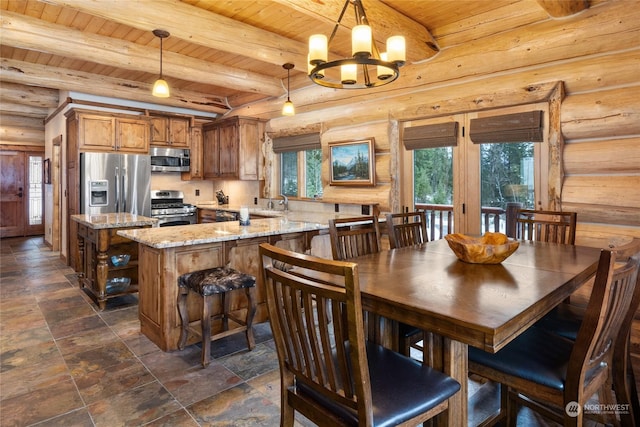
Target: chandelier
366, 68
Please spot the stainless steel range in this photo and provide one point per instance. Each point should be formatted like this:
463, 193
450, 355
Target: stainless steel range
168, 207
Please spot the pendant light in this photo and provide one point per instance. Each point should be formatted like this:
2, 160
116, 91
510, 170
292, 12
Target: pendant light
160, 87
288, 109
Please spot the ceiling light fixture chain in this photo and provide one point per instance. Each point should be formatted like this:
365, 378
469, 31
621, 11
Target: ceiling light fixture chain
343, 73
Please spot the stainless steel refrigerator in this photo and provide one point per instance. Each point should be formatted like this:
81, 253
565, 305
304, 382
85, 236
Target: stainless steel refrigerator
112, 183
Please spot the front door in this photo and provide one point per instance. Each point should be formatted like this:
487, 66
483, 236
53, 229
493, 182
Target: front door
21, 197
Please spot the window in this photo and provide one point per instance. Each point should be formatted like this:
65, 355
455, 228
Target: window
300, 165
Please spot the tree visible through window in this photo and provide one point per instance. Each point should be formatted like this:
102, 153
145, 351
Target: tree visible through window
301, 167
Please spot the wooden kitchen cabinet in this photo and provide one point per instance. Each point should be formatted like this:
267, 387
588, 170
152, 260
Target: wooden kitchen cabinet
110, 132
195, 148
170, 131
231, 148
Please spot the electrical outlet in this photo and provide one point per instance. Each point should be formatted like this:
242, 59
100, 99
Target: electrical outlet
255, 200
197, 192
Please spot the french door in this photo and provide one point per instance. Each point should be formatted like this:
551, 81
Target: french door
466, 186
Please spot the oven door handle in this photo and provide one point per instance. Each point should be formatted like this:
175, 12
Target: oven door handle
181, 215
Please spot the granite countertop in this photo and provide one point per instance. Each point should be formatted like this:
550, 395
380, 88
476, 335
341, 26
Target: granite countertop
114, 220
195, 234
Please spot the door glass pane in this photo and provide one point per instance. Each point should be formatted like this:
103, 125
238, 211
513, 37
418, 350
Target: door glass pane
433, 188
507, 176
35, 190
289, 174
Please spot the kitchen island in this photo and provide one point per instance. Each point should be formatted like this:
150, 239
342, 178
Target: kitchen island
107, 264
166, 253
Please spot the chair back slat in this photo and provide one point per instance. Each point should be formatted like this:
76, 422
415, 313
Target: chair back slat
315, 313
406, 229
352, 237
605, 316
546, 226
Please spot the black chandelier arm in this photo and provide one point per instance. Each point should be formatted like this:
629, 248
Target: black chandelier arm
316, 73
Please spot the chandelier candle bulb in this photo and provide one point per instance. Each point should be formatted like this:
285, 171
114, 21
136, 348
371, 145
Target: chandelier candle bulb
317, 49
396, 49
349, 74
384, 72
361, 41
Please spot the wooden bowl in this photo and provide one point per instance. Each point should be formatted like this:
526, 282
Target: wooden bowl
492, 248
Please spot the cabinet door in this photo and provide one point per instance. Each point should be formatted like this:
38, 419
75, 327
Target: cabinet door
249, 152
132, 135
96, 132
229, 150
211, 153
159, 130
179, 132
195, 171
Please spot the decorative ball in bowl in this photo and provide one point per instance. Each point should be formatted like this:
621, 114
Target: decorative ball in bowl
120, 260
491, 248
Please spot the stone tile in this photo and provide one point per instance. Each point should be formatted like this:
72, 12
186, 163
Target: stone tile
116, 317
168, 365
139, 344
106, 382
199, 383
180, 418
240, 406
24, 338
134, 407
53, 400
28, 356
78, 418
98, 358
57, 315
238, 342
25, 378
250, 364
73, 326
86, 341
268, 384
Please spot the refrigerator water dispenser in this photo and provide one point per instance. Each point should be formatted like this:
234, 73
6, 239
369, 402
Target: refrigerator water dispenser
99, 192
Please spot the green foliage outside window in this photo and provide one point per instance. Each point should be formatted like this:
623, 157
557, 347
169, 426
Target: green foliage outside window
312, 163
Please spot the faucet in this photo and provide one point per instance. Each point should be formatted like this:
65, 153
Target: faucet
285, 202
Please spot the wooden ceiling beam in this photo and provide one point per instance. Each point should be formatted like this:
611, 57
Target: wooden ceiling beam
33, 34
192, 24
563, 8
29, 95
384, 20
94, 84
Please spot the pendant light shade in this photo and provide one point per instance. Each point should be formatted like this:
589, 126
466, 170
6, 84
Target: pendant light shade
160, 87
288, 108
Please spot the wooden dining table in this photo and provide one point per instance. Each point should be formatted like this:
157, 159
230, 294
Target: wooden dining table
480, 305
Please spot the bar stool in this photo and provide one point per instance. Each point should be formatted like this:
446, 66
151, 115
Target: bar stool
207, 283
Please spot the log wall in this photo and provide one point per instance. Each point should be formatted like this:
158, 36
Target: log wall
594, 57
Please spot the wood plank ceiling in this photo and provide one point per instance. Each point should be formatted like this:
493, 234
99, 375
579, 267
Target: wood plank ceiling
221, 54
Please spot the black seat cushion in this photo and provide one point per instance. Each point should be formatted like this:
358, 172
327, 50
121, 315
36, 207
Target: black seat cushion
407, 331
216, 280
401, 388
536, 355
564, 320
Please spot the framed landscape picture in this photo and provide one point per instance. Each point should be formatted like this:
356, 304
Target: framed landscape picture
352, 163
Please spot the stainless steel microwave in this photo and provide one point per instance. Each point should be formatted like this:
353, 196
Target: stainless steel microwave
169, 159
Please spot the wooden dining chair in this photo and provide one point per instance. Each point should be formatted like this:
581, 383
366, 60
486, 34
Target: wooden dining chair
328, 371
408, 229
546, 226
543, 370
566, 319
352, 237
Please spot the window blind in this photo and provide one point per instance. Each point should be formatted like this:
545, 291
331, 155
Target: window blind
518, 127
308, 141
430, 136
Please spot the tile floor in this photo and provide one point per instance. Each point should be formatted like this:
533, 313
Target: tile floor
65, 363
